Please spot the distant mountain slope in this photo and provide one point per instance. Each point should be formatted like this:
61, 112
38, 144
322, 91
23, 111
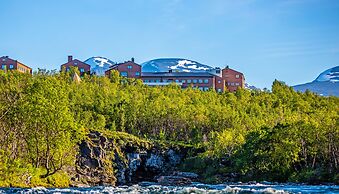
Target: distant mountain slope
99, 65
326, 84
330, 75
251, 87
176, 64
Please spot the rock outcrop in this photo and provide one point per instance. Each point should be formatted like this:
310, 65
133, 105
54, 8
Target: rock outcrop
178, 178
93, 166
124, 159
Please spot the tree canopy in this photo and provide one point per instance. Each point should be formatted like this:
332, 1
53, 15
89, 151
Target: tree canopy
276, 135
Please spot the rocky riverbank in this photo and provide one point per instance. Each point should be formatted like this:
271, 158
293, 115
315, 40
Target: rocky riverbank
122, 159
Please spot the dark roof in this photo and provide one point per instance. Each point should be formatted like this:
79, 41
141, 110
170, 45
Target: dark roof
113, 66
234, 70
76, 60
116, 65
177, 74
126, 62
6, 57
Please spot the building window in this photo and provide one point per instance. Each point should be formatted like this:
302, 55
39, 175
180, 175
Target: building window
237, 76
124, 74
3, 66
82, 70
146, 80
232, 84
219, 90
75, 63
219, 81
157, 80
183, 81
67, 69
201, 88
3, 59
205, 81
137, 73
129, 67
200, 81
237, 84
206, 88
189, 81
177, 81
195, 81
11, 66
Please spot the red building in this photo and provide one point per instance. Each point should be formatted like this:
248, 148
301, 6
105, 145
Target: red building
128, 69
201, 80
220, 80
227, 79
233, 79
82, 67
11, 64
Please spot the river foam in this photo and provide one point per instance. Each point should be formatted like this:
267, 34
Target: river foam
194, 188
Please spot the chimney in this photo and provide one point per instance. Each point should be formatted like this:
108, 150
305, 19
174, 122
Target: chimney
70, 58
132, 59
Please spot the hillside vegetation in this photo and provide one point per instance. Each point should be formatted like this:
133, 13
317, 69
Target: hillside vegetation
281, 135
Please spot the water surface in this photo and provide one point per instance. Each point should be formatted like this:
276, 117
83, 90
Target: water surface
194, 188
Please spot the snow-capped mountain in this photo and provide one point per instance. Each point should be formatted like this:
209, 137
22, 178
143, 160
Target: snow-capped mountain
331, 75
326, 84
99, 65
175, 64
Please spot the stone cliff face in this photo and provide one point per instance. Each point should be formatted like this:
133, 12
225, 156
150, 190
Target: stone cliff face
116, 160
93, 164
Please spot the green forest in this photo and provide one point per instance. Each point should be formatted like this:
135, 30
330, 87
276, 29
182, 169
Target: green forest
277, 135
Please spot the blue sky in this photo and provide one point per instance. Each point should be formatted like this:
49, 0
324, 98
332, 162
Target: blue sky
290, 40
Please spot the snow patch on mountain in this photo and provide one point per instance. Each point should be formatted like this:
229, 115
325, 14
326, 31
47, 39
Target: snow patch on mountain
198, 68
331, 75
177, 64
102, 61
184, 62
99, 65
326, 84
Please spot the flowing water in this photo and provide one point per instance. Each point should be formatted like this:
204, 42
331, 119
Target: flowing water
194, 188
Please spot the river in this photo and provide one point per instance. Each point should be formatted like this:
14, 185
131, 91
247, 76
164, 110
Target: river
194, 188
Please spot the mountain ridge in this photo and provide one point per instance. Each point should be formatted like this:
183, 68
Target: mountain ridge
326, 84
99, 65
175, 64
